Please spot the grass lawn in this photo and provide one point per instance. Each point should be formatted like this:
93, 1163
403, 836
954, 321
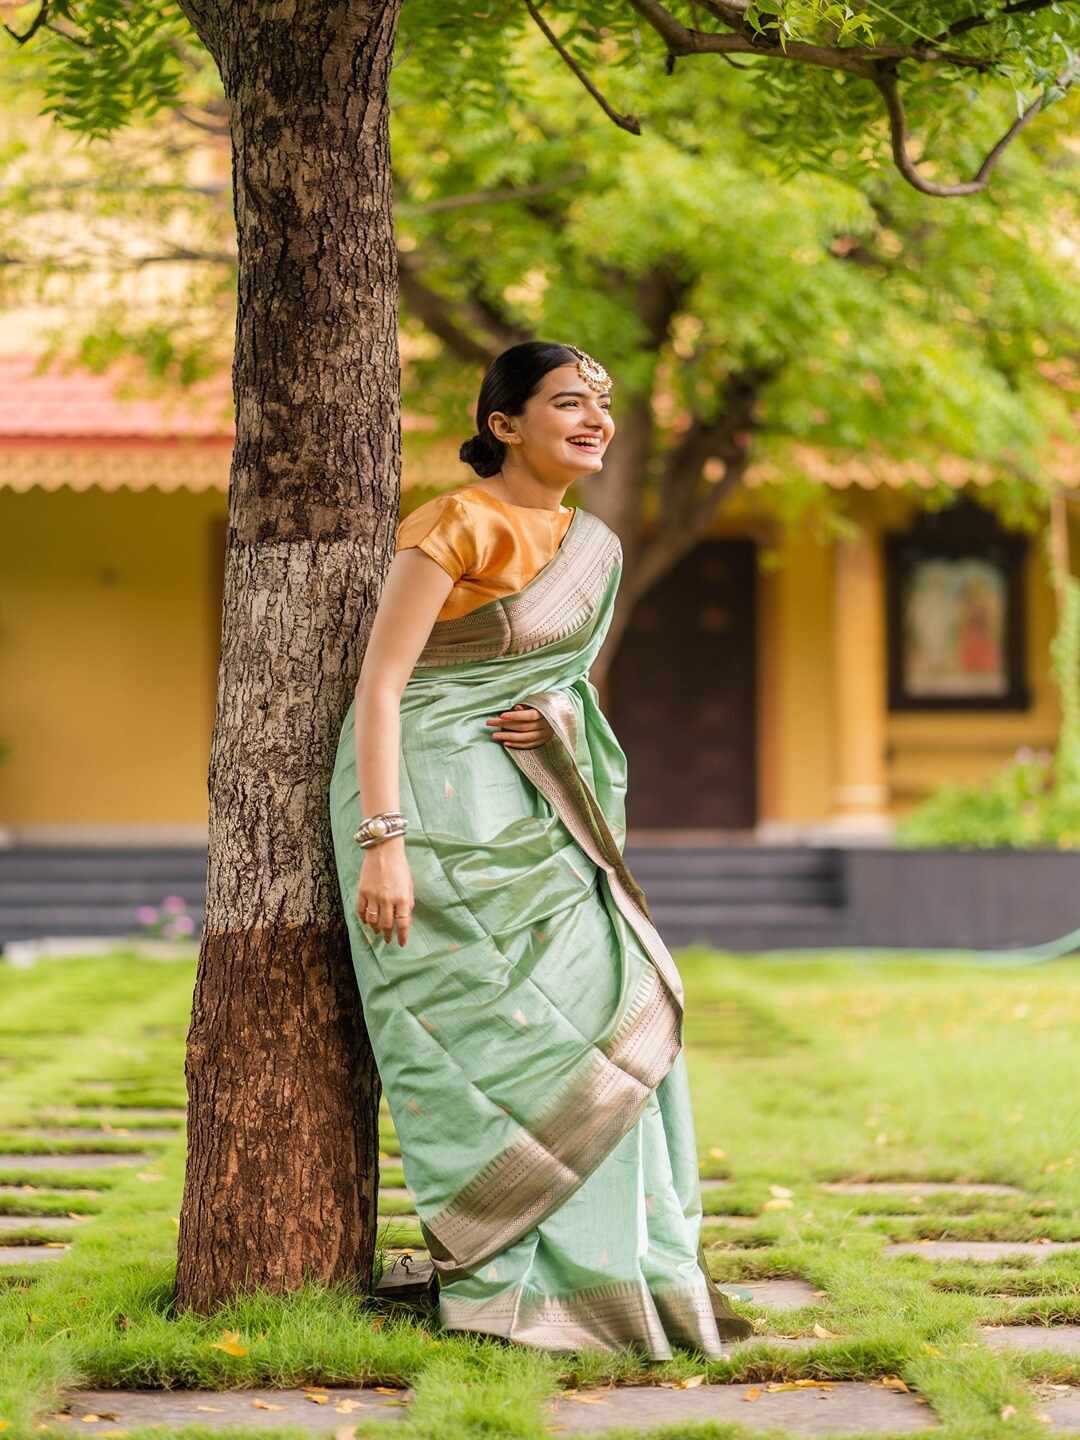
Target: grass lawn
804, 1070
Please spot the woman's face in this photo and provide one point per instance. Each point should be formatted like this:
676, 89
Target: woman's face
564, 430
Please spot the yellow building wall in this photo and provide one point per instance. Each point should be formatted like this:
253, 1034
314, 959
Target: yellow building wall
107, 657
109, 637
796, 697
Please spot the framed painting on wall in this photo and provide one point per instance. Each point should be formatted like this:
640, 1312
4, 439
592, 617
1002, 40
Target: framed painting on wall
956, 628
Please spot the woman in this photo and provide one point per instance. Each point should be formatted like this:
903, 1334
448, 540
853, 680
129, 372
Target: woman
527, 1022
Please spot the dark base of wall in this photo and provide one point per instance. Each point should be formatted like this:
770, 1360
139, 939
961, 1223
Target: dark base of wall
765, 897
735, 897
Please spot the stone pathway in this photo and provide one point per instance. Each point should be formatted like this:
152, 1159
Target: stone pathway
265, 1409
53, 1188
29, 1254
918, 1187
824, 1408
1060, 1404
980, 1249
92, 1160
49, 1222
99, 1132
776, 1294
1062, 1338
838, 1408
63, 1114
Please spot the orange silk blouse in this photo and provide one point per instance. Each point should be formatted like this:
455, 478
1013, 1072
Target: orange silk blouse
489, 547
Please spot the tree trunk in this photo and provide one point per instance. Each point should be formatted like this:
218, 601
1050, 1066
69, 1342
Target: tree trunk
282, 1171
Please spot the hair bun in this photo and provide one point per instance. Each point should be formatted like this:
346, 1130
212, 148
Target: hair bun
483, 453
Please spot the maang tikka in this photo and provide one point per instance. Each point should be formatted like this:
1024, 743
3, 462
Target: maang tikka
591, 371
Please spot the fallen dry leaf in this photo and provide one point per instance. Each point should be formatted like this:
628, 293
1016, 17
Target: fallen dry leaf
753, 1393
346, 1407
266, 1405
692, 1383
586, 1397
317, 1397
931, 1348
893, 1382
230, 1343
216, 1409
718, 1154
800, 1385
385, 1389
823, 1334
1007, 1412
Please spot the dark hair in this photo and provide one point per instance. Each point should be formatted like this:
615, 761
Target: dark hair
509, 382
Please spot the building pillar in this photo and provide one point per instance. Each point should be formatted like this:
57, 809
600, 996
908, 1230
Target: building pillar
860, 792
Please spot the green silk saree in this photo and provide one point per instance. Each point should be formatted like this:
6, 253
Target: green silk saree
529, 1033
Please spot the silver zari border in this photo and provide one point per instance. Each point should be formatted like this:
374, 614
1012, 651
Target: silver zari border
608, 1317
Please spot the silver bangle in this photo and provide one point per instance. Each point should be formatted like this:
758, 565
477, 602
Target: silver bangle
383, 826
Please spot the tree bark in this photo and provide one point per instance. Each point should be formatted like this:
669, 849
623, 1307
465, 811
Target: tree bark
282, 1174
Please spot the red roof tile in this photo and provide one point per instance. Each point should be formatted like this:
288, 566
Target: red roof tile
83, 405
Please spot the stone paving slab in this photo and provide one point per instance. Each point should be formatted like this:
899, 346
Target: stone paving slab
1061, 1406
92, 1160
708, 1184
96, 1132
53, 1188
776, 1294
1064, 1338
918, 1187
61, 1113
846, 1407
31, 1254
49, 1222
736, 1220
264, 1409
980, 1249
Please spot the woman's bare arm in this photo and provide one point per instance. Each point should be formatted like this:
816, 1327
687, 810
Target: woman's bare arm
416, 587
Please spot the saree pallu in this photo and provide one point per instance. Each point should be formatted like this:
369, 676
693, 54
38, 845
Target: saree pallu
529, 1032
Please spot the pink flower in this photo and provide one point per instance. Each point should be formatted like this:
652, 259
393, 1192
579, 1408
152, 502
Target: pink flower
173, 904
184, 924
147, 915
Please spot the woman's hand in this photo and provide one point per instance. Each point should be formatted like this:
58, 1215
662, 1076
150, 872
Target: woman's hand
524, 728
384, 893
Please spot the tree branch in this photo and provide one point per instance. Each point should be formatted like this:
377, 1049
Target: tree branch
624, 122
876, 63
35, 25
491, 197
894, 106
974, 22
447, 318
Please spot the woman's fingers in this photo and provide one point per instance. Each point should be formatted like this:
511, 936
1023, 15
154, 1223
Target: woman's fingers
525, 728
382, 916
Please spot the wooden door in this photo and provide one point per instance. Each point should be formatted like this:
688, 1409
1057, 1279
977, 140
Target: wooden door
681, 695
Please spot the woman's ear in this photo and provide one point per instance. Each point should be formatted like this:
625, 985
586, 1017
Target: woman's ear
503, 428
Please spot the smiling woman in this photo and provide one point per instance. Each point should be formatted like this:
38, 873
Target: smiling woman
528, 1023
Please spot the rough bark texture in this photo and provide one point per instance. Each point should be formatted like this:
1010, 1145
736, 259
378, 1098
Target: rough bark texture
282, 1173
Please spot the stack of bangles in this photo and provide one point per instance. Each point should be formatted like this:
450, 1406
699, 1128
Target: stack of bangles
373, 831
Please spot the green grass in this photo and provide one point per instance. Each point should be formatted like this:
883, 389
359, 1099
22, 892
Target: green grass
804, 1070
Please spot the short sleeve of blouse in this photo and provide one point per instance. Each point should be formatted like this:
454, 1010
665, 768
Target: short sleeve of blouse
443, 529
